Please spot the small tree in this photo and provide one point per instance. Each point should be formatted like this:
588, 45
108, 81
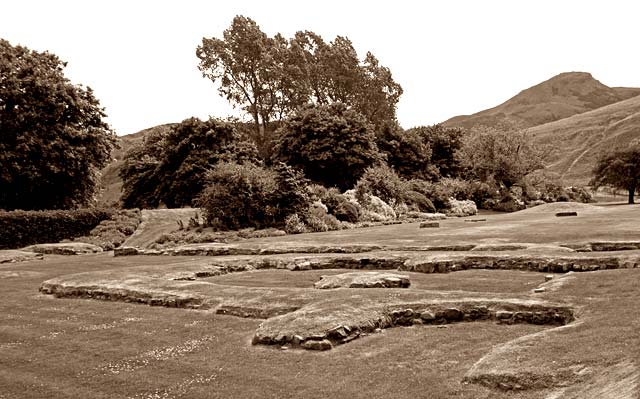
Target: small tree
53, 139
332, 144
619, 169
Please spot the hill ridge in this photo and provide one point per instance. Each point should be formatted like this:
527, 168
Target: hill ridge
564, 95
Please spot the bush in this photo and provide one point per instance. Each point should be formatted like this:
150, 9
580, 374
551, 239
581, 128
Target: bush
509, 203
293, 224
461, 208
383, 182
22, 228
340, 207
549, 187
418, 202
580, 194
111, 233
240, 196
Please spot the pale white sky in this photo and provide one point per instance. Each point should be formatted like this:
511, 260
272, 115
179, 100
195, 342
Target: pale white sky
451, 57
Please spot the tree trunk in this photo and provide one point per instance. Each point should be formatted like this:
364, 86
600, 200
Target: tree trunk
632, 191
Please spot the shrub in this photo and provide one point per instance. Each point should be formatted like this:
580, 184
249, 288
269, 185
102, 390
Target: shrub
509, 203
240, 196
22, 228
111, 233
461, 208
580, 194
293, 224
383, 182
317, 219
340, 207
418, 202
482, 192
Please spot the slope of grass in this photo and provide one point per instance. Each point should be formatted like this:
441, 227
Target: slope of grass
577, 141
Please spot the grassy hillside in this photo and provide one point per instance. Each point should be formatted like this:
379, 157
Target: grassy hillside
110, 182
577, 141
560, 97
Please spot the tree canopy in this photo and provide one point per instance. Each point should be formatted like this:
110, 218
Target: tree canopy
332, 144
502, 154
53, 139
169, 168
271, 77
619, 168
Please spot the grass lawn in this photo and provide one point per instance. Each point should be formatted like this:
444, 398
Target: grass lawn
69, 348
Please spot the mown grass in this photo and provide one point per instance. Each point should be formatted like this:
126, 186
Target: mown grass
69, 348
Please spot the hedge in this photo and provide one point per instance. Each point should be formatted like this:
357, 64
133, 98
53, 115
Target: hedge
22, 228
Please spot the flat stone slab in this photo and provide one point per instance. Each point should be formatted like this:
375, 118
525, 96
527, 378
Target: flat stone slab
64, 248
13, 256
364, 280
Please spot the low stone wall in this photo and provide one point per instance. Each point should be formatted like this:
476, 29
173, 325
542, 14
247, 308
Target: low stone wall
294, 329
217, 249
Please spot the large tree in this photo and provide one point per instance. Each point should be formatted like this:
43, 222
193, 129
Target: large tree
249, 67
271, 77
332, 144
53, 139
619, 168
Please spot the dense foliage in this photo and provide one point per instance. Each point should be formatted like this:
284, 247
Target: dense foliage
271, 77
169, 168
502, 155
238, 196
22, 228
53, 140
332, 144
619, 168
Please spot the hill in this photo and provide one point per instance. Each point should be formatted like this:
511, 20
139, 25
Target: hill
560, 97
577, 141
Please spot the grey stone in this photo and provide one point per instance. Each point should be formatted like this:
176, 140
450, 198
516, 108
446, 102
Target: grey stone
429, 225
503, 314
363, 280
452, 314
314, 345
427, 316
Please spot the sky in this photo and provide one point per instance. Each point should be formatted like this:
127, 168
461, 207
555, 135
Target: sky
450, 57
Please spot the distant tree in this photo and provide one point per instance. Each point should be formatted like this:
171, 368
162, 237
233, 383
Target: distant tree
620, 169
502, 154
406, 151
445, 143
332, 144
169, 168
53, 139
